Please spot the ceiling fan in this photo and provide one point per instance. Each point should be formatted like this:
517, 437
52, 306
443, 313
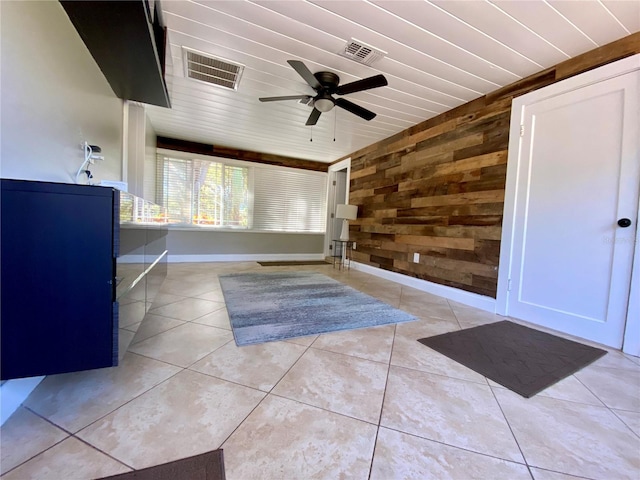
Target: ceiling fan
326, 84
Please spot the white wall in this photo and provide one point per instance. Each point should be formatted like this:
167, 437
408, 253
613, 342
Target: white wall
141, 141
135, 138
220, 246
150, 161
53, 97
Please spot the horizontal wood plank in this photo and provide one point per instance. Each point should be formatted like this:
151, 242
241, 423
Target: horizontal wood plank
437, 188
491, 196
448, 242
235, 154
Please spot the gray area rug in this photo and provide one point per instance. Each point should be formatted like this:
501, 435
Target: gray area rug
520, 358
264, 307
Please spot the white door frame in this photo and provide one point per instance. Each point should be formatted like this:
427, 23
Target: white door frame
336, 167
631, 342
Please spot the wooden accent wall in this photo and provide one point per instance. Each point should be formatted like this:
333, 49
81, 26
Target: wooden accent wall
437, 189
245, 155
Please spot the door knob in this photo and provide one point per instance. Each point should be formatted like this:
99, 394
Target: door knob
624, 222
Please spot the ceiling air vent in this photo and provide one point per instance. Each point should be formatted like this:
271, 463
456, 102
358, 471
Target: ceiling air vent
214, 71
361, 52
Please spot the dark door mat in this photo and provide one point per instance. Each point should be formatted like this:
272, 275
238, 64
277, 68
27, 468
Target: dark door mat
207, 466
287, 264
520, 358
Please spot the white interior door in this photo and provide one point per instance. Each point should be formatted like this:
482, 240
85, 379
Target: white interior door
337, 193
578, 174
340, 198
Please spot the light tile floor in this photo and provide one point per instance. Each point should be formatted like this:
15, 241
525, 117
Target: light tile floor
371, 403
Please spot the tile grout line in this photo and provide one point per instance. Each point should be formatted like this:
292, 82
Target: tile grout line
352, 356
103, 452
132, 344
625, 423
182, 369
610, 409
324, 409
152, 336
450, 445
306, 349
511, 430
188, 367
443, 375
182, 319
579, 477
75, 435
166, 304
270, 393
130, 400
266, 395
384, 396
455, 315
174, 364
69, 435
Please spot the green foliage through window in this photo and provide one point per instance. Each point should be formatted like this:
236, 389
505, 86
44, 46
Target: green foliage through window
200, 192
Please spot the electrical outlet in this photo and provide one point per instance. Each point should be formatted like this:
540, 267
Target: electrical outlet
354, 245
416, 258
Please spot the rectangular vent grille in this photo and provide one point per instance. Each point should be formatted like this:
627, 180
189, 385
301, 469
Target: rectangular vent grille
214, 71
361, 52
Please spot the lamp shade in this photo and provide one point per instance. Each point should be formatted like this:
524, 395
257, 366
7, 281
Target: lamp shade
348, 212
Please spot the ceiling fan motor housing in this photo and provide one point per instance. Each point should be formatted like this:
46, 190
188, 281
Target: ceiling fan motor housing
329, 83
325, 85
328, 80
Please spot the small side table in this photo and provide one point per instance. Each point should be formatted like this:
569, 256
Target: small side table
342, 253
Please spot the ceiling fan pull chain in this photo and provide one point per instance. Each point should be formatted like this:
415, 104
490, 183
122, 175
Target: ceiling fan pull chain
311, 139
335, 120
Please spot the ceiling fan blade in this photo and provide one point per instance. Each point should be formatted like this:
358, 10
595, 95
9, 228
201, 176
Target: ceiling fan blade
290, 97
305, 73
355, 109
313, 118
364, 84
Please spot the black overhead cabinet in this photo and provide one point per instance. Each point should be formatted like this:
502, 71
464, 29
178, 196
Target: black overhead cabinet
127, 39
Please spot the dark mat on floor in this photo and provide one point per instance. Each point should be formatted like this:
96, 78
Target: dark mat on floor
207, 466
520, 358
287, 264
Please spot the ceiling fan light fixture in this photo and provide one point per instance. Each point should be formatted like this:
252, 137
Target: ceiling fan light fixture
324, 104
326, 84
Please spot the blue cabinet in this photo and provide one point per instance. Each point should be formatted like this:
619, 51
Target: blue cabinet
58, 247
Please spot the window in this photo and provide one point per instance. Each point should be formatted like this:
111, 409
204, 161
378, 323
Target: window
290, 201
218, 194
200, 192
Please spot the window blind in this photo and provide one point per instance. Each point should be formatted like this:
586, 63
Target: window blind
201, 192
216, 194
290, 201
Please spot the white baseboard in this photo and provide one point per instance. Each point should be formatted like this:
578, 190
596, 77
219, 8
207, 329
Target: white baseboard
141, 258
467, 298
131, 259
251, 257
13, 393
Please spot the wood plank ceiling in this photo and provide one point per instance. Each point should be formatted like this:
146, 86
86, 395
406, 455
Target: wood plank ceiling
439, 54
